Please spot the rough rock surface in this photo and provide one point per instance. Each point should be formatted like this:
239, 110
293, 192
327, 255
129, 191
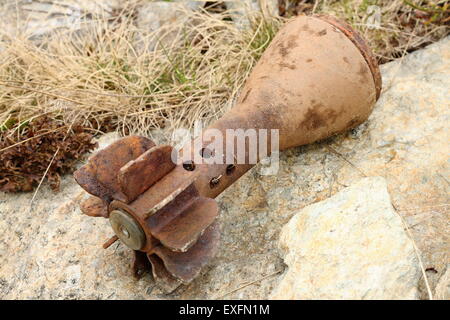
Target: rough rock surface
50, 250
160, 16
443, 287
350, 246
240, 9
37, 19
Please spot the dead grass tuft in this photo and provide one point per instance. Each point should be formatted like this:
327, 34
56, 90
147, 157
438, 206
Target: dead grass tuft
38, 148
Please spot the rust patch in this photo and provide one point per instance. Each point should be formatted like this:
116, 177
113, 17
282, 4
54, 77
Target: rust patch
321, 33
287, 65
283, 51
353, 123
332, 115
313, 120
268, 116
246, 94
362, 72
264, 98
291, 43
94, 207
316, 117
182, 232
187, 265
99, 175
138, 175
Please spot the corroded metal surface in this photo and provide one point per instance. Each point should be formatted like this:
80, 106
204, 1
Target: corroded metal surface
140, 264
316, 79
181, 233
99, 175
187, 265
165, 280
94, 207
138, 175
359, 41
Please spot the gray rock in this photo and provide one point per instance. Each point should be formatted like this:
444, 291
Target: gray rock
350, 246
443, 287
405, 141
156, 22
37, 19
240, 10
193, 5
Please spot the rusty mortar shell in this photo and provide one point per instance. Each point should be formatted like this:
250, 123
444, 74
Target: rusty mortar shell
316, 79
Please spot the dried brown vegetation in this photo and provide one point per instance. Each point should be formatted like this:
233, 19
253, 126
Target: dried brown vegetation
41, 147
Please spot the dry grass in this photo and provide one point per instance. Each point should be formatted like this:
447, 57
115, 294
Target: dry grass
110, 83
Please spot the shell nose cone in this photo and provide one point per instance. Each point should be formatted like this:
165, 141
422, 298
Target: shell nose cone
361, 44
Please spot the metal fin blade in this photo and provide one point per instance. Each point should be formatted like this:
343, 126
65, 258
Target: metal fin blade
140, 264
185, 229
163, 279
185, 266
99, 175
139, 174
94, 207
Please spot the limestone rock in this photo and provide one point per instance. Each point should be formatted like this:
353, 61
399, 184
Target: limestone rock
193, 5
443, 287
37, 19
350, 246
163, 17
240, 9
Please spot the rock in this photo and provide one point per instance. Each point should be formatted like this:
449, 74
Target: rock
107, 139
407, 143
443, 287
162, 16
53, 251
350, 246
193, 5
240, 10
35, 20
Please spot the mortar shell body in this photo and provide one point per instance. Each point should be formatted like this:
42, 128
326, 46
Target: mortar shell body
316, 79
